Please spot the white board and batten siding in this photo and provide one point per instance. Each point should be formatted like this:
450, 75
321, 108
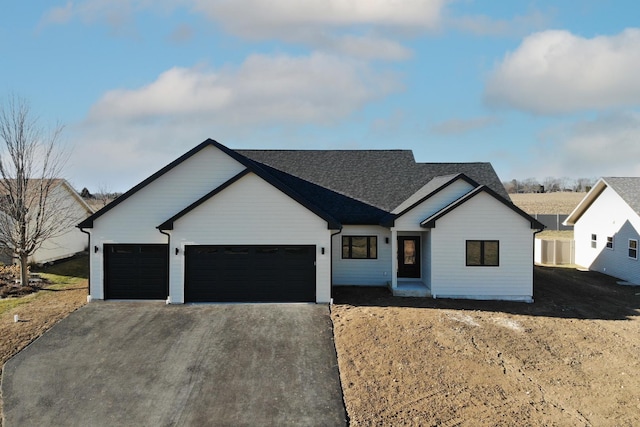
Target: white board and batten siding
411, 220
482, 218
608, 216
136, 218
362, 272
250, 212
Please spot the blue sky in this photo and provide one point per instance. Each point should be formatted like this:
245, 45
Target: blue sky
537, 88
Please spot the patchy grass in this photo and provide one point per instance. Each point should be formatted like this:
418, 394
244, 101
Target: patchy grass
7, 304
76, 267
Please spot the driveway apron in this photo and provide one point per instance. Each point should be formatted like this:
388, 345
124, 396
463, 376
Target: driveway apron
147, 364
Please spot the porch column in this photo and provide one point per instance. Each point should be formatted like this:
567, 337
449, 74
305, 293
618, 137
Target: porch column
394, 258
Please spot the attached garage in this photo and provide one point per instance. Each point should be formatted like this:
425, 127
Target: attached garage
134, 271
250, 273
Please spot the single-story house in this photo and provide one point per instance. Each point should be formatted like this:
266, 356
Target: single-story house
228, 225
66, 240
606, 224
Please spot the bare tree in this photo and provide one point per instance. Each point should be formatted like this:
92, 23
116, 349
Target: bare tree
33, 207
104, 194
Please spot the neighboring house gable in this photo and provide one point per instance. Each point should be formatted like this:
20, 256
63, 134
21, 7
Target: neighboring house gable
73, 241
607, 226
70, 208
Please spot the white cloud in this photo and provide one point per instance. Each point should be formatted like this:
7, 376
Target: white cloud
460, 126
136, 131
484, 25
366, 29
277, 18
555, 72
366, 47
606, 145
318, 88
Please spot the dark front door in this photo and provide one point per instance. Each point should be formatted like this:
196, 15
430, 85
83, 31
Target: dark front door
409, 256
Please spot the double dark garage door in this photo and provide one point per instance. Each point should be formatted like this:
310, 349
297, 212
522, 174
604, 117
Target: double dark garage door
223, 273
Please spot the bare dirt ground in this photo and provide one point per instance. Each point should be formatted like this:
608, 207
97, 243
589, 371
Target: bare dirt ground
37, 313
569, 359
547, 203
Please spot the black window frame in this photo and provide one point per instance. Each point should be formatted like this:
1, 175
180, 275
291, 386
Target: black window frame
349, 245
483, 259
630, 249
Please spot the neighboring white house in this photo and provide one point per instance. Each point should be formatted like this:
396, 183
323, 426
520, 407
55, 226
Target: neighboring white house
606, 228
68, 243
286, 225
74, 240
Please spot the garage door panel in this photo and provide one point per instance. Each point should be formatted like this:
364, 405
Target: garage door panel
136, 271
266, 273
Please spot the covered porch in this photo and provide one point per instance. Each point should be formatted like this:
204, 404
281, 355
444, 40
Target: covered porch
411, 258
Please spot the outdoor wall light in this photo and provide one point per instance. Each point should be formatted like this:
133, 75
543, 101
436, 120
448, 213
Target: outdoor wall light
322, 251
386, 240
95, 249
177, 251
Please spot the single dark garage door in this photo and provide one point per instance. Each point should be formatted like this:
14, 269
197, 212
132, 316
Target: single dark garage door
136, 271
250, 274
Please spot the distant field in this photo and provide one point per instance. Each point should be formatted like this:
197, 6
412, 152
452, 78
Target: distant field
547, 203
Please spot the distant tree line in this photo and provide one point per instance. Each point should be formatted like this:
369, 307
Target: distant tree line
549, 184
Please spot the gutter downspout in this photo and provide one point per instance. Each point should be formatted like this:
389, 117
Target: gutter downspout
168, 301
533, 264
89, 249
331, 263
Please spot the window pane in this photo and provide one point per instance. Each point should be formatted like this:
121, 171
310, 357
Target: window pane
358, 247
296, 251
491, 253
473, 252
373, 247
345, 246
633, 244
409, 252
266, 250
230, 250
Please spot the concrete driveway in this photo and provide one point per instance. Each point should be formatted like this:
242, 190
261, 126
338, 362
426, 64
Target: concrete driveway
147, 364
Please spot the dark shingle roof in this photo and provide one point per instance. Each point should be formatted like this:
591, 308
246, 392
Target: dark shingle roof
628, 188
381, 178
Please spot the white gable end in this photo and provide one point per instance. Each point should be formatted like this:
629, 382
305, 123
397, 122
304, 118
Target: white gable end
410, 221
608, 216
136, 218
482, 218
251, 212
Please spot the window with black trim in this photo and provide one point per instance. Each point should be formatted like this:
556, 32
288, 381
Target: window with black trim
633, 248
594, 241
359, 247
609, 242
483, 253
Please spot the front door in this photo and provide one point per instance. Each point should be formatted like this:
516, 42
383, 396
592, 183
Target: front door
409, 256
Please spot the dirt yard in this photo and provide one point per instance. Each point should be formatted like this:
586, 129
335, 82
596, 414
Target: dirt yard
547, 203
569, 359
